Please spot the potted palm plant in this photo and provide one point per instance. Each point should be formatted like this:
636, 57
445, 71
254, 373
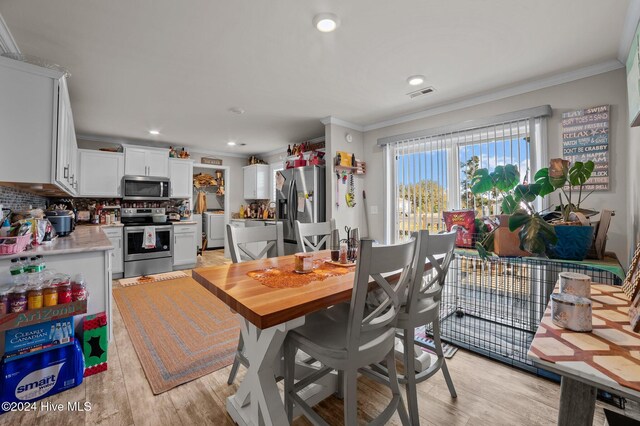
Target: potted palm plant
571, 224
520, 230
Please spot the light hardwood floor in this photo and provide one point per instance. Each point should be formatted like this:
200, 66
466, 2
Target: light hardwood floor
489, 393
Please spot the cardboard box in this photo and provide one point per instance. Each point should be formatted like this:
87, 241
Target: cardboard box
23, 341
40, 375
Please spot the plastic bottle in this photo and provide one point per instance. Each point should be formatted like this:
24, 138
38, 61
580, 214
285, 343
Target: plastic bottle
78, 288
57, 335
17, 272
5, 228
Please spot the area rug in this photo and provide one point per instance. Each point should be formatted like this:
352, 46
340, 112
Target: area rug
179, 330
145, 279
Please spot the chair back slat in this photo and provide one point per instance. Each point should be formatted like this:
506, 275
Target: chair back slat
238, 239
378, 262
313, 236
438, 250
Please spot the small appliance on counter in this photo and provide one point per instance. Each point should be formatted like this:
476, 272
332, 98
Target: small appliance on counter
63, 221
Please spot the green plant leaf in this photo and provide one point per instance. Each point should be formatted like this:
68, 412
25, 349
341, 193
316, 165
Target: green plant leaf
558, 172
535, 234
505, 178
509, 205
527, 192
517, 219
580, 172
481, 182
542, 179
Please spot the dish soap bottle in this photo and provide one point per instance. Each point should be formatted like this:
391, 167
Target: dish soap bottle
241, 211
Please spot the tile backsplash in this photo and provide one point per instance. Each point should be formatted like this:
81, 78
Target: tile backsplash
15, 199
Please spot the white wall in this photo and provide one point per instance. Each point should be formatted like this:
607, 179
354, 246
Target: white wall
608, 88
344, 216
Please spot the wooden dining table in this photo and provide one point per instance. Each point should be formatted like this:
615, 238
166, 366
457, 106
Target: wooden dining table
266, 314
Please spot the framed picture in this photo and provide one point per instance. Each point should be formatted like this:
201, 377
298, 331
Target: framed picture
630, 284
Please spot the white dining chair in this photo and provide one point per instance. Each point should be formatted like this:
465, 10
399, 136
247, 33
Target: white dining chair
421, 306
314, 236
238, 239
348, 340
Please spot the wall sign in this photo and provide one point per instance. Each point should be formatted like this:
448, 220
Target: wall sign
585, 136
212, 161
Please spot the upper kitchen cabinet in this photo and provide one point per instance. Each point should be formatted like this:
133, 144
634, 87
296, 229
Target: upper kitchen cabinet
39, 148
257, 182
100, 173
146, 161
181, 177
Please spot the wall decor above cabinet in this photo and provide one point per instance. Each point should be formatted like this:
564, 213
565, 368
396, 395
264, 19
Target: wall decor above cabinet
39, 147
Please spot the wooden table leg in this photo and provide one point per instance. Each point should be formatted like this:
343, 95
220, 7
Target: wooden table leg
577, 403
258, 401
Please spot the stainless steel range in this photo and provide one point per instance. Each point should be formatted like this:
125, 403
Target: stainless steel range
146, 257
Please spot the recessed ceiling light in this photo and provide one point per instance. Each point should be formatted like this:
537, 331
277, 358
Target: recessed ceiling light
326, 22
231, 143
237, 110
416, 80
154, 132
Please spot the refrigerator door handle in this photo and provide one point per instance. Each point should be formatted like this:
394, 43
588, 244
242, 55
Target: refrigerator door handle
293, 210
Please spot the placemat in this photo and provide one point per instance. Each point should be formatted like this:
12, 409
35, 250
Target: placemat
286, 277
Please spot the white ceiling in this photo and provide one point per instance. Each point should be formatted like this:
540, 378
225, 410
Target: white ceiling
179, 66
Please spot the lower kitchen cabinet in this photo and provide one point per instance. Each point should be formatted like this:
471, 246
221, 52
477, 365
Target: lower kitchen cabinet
115, 236
184, 245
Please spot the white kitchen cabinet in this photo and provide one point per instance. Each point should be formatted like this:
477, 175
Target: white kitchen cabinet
146, 161
37, 127
257, 182
100, 173
181, 176
215, 229
117, 262
184, 245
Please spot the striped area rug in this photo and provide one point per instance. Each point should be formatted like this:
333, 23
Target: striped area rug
179, 330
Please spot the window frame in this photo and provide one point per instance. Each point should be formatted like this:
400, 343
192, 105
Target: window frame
538, 157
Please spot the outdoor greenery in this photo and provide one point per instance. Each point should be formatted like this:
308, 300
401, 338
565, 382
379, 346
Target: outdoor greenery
426, 195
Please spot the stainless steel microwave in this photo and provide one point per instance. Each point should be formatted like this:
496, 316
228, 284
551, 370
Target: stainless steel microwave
145, 188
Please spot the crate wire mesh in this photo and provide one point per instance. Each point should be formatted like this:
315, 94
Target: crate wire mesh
494, 307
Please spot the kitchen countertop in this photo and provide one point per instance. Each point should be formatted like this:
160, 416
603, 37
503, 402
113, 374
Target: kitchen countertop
259, 220
83, 239
185, 222
111, 225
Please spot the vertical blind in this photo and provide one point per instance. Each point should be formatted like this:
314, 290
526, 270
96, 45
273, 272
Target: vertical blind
432, 173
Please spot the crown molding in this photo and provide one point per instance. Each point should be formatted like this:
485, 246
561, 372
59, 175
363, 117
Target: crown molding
153, 144
520, 89
334, 120
283, 150
628, 30
7, 42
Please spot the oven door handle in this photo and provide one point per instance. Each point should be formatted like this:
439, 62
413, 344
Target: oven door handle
131, 229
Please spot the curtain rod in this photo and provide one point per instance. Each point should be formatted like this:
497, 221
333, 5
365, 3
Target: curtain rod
536, 112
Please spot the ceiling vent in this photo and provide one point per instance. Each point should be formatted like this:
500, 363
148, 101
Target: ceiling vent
421, 92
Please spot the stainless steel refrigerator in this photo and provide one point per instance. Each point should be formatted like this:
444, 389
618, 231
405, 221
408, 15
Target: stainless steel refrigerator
302, 197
